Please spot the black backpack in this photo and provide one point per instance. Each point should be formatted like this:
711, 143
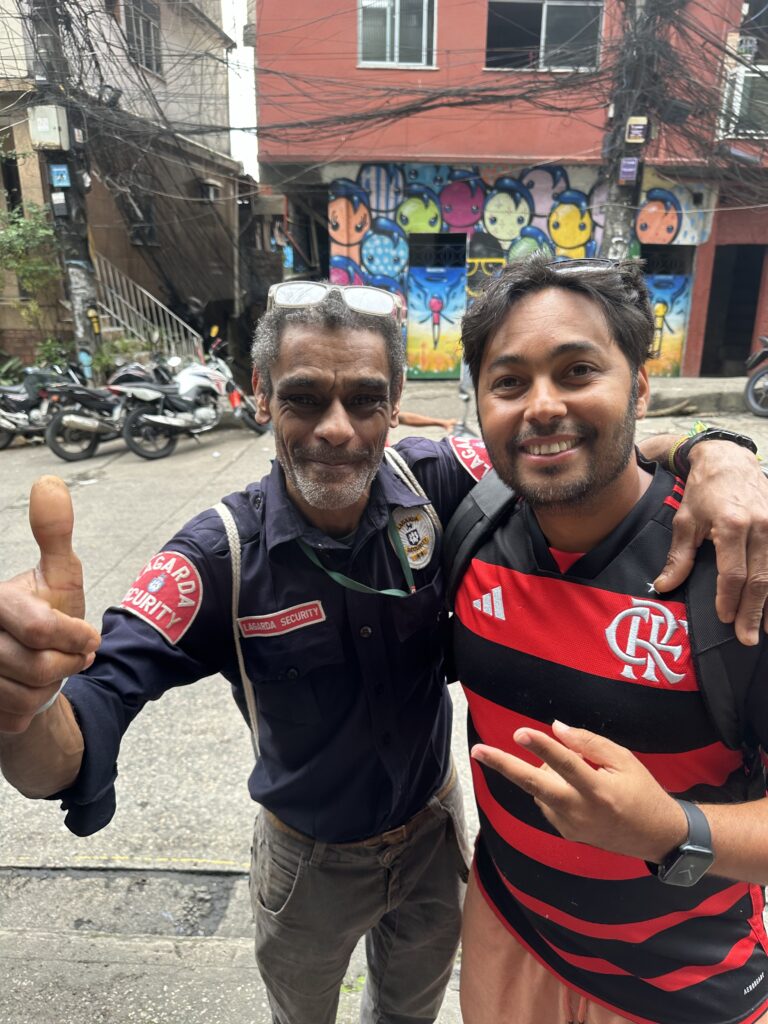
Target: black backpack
724, 667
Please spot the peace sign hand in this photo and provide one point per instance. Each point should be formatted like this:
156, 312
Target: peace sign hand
593, 791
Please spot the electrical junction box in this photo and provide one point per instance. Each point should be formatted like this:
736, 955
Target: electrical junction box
48, 127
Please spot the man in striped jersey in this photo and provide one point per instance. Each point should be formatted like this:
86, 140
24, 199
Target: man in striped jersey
623, 846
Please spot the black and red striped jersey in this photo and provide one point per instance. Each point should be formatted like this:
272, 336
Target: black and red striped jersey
598, 648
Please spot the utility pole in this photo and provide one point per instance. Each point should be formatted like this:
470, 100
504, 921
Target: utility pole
67, 173
623, 194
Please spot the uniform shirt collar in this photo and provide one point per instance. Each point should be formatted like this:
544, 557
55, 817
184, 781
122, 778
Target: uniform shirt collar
283, 522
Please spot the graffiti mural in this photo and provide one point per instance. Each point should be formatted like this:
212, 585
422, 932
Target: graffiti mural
436, 301
670, 302
504, 213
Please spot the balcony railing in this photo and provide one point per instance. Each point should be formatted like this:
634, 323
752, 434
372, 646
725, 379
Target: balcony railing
745, 111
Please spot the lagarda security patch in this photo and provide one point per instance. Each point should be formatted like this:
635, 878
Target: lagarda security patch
167, 594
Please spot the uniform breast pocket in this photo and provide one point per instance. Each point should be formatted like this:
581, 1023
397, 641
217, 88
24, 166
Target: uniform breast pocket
419, 625
286, 670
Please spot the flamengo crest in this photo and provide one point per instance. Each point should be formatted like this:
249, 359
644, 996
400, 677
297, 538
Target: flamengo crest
650, 626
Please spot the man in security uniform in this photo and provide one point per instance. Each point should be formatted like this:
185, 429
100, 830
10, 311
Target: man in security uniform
309, 594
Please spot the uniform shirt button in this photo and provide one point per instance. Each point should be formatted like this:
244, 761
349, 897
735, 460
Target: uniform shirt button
292, 673
378, 689
386, 738
366, 632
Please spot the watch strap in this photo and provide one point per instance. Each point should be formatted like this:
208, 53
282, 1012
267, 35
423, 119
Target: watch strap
680, 456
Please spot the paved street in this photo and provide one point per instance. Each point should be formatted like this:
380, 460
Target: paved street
148, 921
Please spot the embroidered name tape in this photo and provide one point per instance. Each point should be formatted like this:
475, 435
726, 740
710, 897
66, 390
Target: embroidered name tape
472, 454
285, 621
167, 594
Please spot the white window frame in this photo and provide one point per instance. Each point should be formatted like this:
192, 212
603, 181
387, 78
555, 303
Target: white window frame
541, 64
138, 50
732, 101
393, 36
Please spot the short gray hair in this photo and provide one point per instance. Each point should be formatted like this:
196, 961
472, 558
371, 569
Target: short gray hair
334, 315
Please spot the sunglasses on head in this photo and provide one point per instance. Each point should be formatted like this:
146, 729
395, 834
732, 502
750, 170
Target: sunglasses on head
362, 298
586, 263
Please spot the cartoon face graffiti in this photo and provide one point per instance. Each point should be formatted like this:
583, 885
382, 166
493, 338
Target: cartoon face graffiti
384, 185
531, 240
508, 209
570, 225
659, 219
462, 202
419, 212
544, 182
344, 271
385, 249
431, 176
348, 217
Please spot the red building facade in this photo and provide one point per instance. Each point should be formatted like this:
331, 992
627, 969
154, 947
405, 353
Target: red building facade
422, 144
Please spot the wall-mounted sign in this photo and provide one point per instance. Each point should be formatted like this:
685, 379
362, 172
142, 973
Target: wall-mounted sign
636, 129
60, 176
629, 170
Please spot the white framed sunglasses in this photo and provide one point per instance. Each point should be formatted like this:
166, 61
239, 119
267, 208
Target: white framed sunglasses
362, 298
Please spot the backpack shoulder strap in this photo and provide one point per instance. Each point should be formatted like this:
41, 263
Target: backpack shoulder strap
723, 665
472, 523
235, 551
398, 465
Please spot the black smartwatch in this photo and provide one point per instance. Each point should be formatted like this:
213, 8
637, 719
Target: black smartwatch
689, 862
683, 451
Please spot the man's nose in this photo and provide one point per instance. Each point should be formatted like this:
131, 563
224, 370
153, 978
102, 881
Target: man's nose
335, 426
545, 402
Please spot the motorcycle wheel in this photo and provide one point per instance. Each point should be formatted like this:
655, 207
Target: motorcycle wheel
756, 394
69, 443
249, 420
6, 436
148, 440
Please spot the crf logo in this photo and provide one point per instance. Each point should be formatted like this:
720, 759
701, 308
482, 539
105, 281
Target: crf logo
650, 627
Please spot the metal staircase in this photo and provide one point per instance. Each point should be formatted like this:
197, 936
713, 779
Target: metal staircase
133, 310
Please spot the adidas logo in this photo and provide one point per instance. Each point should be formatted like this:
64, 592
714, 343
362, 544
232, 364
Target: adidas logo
491, 604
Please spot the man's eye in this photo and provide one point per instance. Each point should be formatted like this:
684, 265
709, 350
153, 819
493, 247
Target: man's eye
367, 400
580, 370
300, 399
507, 384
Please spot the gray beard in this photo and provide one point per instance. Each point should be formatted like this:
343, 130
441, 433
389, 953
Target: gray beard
326, 497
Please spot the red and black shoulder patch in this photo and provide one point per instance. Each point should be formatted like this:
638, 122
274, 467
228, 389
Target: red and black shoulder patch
167, 594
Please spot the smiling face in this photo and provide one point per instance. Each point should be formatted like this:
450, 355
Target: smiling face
331, 410
557, 401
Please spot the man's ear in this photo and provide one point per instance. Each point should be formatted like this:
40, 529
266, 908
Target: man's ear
263, 415
643, 393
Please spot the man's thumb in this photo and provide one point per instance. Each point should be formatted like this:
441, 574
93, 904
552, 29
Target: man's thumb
52, 519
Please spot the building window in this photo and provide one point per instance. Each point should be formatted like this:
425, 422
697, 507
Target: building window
397, 32
544, 34
746, 103
142, 30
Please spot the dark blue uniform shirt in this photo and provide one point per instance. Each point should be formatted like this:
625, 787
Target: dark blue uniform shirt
354, 715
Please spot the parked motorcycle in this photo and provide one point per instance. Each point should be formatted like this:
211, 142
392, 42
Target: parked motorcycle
26, 408
93, 415
756, 392
243, 405
189, 406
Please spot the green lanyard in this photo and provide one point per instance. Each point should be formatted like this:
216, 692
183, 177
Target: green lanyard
350, 584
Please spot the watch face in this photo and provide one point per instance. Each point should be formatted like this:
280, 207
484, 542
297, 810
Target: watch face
690, 864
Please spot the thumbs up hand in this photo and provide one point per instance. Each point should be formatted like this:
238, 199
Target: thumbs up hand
43, 637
